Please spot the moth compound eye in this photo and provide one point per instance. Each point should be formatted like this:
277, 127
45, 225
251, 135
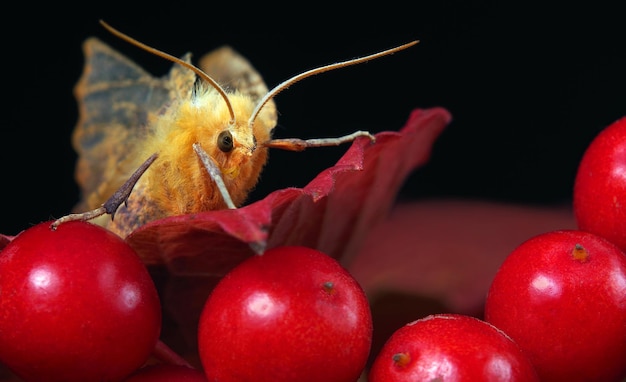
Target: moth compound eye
225, 141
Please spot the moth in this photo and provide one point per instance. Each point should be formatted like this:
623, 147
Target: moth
193, 140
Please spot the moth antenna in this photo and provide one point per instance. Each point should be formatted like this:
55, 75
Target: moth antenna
285, 84
176, 60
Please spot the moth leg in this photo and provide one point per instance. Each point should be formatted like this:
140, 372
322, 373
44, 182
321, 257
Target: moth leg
295, 144
215, 174
114, 202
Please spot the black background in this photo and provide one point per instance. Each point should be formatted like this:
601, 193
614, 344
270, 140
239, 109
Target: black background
528, 87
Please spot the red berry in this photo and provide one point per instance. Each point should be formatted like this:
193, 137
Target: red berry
76, 304
600, 185
562, 297
291, 314
167, 373
450, 347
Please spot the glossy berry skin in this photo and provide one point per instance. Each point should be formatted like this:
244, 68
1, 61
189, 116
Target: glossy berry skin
561, 296
450, 347
76, 304
599, 195
291, 314
167, 373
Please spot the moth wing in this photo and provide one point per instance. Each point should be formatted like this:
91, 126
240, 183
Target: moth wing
234, 72
116, 100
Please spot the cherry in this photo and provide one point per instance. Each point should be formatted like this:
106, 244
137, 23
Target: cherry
454, 347
167, 373
600, 185
561, 296
76, 304
291, 314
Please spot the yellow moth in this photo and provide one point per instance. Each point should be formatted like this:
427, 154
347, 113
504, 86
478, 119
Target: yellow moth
194, 140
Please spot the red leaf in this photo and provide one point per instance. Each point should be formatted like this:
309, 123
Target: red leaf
332, 213
449, 250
